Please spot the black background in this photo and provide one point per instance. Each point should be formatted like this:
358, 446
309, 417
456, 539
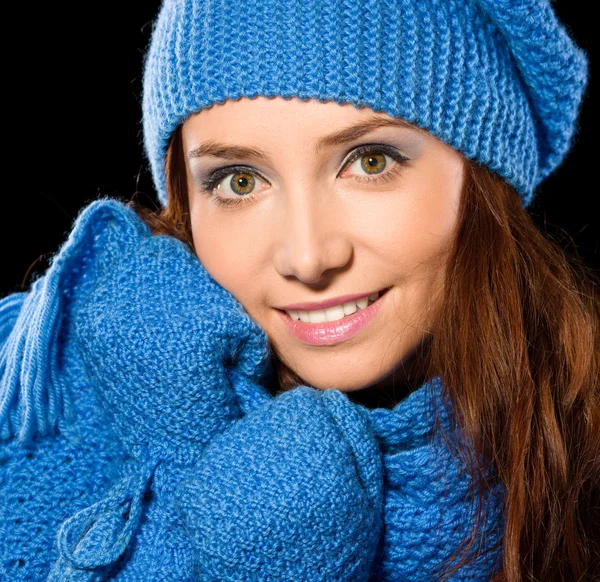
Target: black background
72, 131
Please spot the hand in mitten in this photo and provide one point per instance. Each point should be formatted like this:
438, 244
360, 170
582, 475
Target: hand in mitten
291, 491
158, 337
174, 359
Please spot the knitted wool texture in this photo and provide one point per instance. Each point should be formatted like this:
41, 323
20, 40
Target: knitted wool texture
136, 446
499, 80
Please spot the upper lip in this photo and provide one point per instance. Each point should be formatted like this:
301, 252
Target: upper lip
328, 302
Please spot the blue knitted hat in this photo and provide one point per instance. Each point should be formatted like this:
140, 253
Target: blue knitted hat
499, 80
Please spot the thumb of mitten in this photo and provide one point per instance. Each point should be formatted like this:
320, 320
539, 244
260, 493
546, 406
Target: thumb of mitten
248, 368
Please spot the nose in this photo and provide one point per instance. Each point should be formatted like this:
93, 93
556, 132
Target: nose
312, 238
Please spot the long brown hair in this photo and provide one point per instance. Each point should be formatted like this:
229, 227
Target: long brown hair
517, 345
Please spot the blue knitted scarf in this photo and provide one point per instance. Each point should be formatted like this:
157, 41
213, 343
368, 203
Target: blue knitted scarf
135, 385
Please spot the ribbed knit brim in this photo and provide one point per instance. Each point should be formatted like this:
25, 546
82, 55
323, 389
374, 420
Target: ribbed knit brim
499, 80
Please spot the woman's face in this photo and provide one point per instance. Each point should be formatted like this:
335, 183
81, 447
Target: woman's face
321, 211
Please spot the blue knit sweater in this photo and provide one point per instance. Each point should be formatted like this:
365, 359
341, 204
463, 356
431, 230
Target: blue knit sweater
137, 440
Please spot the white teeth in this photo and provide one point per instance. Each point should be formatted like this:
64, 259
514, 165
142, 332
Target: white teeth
318, 316
301, 315
333, 313
350, 307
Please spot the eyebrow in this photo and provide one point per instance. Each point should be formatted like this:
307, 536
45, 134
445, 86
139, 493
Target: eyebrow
212, 148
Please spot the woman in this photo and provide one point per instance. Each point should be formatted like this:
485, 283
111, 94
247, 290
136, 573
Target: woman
441, 425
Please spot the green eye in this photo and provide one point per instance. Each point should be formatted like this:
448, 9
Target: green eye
242, 183
373, 162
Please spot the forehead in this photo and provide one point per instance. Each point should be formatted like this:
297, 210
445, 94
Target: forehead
326, 124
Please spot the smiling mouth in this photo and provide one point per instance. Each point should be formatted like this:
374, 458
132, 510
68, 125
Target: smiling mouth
337, 312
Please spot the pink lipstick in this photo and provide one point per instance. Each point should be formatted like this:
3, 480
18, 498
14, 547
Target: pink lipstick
333, 332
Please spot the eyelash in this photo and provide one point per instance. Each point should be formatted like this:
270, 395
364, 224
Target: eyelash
208, 186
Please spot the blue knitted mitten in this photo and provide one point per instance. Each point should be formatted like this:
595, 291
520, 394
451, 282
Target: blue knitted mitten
292, 491
158, 338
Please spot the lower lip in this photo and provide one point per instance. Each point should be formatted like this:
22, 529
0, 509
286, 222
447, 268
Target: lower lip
333, 332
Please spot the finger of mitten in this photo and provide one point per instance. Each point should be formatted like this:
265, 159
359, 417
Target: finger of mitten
279, 495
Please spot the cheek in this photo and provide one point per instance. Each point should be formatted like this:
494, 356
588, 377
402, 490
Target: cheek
412, 228
229, 252
414, 234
